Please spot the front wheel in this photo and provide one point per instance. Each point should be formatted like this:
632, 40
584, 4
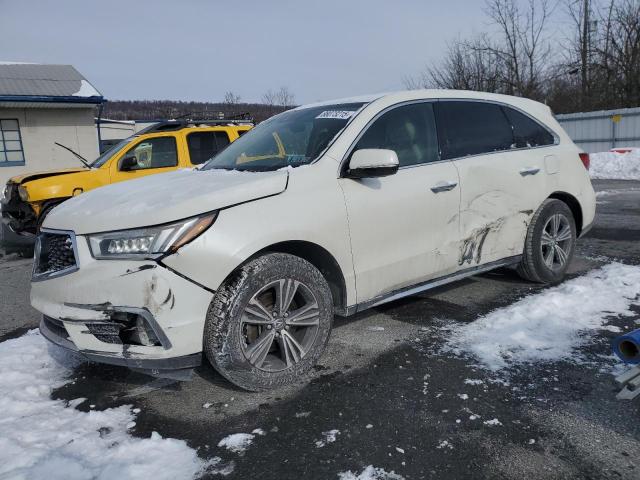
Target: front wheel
269, 323
550, 243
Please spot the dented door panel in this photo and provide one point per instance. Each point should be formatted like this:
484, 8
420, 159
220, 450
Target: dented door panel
498, 196
404, 229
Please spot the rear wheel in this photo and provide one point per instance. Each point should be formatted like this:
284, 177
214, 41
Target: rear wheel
269, 323
550, 243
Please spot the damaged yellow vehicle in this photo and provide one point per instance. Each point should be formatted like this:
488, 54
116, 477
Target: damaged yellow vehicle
160, 148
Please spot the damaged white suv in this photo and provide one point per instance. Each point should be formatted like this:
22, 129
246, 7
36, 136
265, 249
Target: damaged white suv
327, 209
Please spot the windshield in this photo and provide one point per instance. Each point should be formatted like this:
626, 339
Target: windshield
292, 138
102, 159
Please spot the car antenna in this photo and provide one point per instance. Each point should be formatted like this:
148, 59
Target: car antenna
80, 157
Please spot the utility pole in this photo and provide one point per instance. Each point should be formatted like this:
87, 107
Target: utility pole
584, 53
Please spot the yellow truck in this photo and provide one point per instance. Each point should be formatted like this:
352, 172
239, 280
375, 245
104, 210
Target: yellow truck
160, 148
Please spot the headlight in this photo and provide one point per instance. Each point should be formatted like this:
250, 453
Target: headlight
24, 195
150, 241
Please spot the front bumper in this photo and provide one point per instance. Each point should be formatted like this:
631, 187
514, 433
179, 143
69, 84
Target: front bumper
152, 365
12, 241
84, 311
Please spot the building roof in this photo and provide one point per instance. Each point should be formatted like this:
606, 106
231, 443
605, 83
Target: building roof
32, 82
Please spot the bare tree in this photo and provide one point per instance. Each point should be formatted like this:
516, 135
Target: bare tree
521, 44
231, 98
619, 53
513, 59
286, 98
269, 98
282, 98
466, 66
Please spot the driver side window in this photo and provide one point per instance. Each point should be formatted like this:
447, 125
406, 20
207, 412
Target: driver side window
157, 152
410, 131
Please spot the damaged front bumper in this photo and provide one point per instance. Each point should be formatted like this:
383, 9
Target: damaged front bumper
17, 222
136, 314
12, 241
56, 332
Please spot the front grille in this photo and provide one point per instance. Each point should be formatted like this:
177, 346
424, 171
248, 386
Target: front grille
105, 332
54, 255
124, 328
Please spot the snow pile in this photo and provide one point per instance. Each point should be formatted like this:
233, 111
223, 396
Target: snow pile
612, 165
492, 423
239, 442
550, 325
47, 439
370, 473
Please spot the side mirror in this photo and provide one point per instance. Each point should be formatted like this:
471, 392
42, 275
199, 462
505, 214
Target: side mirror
372, 162
128, 163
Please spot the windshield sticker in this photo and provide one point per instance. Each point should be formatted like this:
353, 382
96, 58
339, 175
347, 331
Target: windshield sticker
338, 114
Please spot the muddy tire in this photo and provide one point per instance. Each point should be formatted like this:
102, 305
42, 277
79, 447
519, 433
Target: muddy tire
549, 244
269, 322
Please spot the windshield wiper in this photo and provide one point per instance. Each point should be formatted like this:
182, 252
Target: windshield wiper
78, 156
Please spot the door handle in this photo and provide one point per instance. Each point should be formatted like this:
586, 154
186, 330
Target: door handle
444, 186
529, 171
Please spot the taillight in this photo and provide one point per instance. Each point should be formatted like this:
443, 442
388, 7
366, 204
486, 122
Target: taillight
585, 160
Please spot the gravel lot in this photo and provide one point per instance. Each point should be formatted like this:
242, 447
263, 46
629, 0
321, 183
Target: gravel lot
396, 400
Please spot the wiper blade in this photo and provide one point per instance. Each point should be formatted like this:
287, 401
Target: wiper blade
78, 156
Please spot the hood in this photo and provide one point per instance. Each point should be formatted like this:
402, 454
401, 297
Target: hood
27, 177
162, 198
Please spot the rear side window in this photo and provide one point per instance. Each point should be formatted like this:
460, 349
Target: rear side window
472, 128
526, 131
409, 130
205, 145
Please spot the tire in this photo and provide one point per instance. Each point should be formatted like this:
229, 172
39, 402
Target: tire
545, 260
241, 320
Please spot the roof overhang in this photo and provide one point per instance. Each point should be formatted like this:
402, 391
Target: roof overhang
45, 101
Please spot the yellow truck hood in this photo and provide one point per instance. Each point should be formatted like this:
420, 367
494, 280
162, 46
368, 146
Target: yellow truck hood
27, 177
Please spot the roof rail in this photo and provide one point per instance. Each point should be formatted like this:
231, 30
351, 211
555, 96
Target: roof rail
171, 125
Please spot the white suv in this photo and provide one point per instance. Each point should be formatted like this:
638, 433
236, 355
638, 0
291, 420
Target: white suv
327, 209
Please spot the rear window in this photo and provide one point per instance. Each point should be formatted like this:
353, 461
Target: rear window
526, 131
472, 128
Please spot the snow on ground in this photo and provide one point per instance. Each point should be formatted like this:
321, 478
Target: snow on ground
41, 438
370, 473
611, 165
239, 442
550, 325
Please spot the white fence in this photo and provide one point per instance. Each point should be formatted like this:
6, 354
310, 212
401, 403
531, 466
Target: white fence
603, 130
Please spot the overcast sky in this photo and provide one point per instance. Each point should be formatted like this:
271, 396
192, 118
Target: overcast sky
199, 49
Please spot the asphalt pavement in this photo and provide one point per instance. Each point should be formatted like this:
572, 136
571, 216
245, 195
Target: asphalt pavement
396, 400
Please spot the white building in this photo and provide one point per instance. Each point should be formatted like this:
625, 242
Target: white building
41, 105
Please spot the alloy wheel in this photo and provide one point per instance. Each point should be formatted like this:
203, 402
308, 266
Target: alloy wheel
556, 241
279, 325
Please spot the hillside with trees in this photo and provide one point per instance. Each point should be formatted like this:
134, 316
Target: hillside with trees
272, 102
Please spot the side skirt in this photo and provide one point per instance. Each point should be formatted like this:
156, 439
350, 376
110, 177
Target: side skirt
429, 284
